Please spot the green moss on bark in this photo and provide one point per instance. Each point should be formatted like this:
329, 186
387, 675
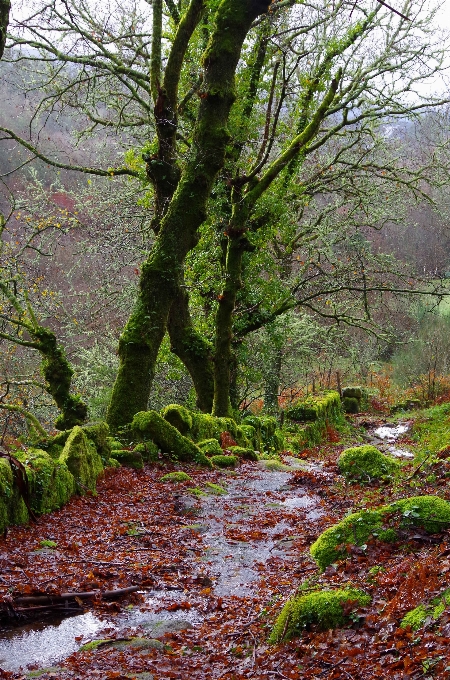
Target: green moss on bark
178, 416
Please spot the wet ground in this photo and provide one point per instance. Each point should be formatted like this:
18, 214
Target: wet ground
235, 536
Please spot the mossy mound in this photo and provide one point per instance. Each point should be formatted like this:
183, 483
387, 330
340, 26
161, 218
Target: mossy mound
366, 463
148, 450
244, 453
132, 459
352, 393
210, 447
417, 617
178, 416
12, 507
427, 512
98, 433
178, 476
326, 406
224, 461
51, 482
151, 425
266, 436
114, 444
351, 405
82, 459
324, 609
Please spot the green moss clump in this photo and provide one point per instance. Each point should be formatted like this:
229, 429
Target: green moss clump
132, 459
113, 463
248, 432
365, 463
151, 424
324, 407
51, 482
428, 512
12, 507
98, 433
148, 450
224, 461
215, 489
324, 609
114, 444
178, 416
178, 476
352, 393
82, 459
417, 617
210, 447
274, 465
351, 405
241, 452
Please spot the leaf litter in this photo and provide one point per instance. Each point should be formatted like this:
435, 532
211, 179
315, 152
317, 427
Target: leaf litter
214, 571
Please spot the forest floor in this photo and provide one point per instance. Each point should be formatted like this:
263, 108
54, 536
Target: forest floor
214, 567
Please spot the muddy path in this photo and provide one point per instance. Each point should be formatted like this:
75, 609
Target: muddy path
233, 545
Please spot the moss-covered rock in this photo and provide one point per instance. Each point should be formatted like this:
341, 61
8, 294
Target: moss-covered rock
323, 407
82, 459
365, 463
224, 461
427, 512
266, 436
165, 435
115, 444
132, 459
177, 476
210, 447
178, 416
148, 450
51, 482
352, 393
248, 432
244, 453
98, 433
351, 405
323, 609
12, 507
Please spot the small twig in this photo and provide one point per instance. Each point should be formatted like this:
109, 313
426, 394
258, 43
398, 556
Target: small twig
332, 667
279, 673
418, 468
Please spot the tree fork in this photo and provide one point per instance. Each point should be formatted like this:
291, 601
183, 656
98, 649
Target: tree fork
161, 274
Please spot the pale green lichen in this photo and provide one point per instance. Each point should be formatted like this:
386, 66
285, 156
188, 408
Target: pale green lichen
177, 476
365, 463
224, 461
323, 609
428, 512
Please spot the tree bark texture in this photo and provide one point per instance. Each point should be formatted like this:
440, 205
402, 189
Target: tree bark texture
5, 7
192, 349
162, 272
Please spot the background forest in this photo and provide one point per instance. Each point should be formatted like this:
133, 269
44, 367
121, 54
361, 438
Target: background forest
320, 247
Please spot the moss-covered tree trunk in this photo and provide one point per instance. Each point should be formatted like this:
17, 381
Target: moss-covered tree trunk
192, 349
5, 6
224, 359
162, 272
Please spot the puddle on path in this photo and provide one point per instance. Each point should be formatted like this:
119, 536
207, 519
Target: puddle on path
43, 643
236, 540
389, 434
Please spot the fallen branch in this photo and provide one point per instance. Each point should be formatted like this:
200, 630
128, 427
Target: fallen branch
51, 599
